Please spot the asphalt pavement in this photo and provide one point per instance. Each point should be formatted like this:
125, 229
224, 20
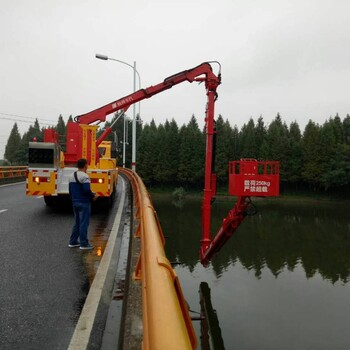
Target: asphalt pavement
44, 283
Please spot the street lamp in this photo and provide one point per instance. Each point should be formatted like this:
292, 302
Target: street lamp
125, 133
104, 57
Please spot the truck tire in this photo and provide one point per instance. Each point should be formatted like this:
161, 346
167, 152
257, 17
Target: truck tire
107, 202
112, 197
49, 201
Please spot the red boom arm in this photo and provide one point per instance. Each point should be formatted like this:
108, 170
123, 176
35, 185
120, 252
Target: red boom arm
194, 74
201, 73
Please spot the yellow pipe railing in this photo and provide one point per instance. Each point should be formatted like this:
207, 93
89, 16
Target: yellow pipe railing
12, 171
165, 316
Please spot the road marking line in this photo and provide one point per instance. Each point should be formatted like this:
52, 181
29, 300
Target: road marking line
39, 196
3, 210
81, 336
16, 183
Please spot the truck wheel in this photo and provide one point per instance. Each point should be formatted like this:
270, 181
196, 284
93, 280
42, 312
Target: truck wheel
112, 198
49, 200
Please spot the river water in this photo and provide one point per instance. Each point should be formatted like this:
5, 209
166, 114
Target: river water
282, 281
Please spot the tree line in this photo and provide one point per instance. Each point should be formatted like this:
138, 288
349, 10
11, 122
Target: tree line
318, 158
169, 155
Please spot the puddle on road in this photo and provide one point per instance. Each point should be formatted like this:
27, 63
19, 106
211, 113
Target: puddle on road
98, 236
99, 230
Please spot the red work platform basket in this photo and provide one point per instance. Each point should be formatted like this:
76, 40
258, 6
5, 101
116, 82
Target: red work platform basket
249, 177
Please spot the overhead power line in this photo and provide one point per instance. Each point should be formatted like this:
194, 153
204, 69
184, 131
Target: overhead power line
25, 117
26, 121
23, 121
32, 119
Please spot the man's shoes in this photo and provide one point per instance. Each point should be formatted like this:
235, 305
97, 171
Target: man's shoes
87, 247
73, 245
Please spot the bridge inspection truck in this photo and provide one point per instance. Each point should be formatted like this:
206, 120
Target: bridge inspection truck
49, 168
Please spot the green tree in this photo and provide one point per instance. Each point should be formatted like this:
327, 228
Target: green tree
312, 159
234, 143
277, 144
138, 132
35, 133
12, 145
160, 169
168, 158
173, 144
260, 136
191, 154
4, 162
22, 151
225, 143
346, 129
61, 126
247, 140
147, 151
61, 130
337, 127
334, 164
294, 160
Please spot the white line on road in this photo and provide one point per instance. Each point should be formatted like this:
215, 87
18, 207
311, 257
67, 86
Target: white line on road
3, 210
14, 184
81, 336
39, 196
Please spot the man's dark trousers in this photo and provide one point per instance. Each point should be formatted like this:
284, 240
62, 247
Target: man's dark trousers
82, 219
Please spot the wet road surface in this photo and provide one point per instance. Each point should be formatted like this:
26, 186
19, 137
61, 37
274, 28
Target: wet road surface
43, 282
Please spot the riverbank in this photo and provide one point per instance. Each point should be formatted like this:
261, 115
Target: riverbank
222, 195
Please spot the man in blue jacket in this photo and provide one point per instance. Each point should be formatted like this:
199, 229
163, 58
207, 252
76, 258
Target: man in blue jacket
81, 196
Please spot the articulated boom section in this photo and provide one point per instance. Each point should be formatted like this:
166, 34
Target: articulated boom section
229, 225
201, 73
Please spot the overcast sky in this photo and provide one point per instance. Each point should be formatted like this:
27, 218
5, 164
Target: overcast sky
286, 56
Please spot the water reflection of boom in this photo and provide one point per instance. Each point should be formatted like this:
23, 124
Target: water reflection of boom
285, 234
211, 338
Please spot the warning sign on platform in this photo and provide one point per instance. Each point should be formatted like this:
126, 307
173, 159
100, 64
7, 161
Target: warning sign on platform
254, 178
256, 186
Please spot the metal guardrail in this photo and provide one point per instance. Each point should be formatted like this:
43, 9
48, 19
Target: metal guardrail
165, 315
7, 172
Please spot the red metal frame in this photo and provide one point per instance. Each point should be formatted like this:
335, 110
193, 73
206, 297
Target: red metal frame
247, 177
50, 135
201, 73
191, 75
229, 225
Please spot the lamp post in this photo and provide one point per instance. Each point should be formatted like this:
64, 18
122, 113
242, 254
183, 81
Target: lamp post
126, 120
133, 160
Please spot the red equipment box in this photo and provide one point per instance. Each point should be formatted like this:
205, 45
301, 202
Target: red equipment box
249, 177
50, 135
